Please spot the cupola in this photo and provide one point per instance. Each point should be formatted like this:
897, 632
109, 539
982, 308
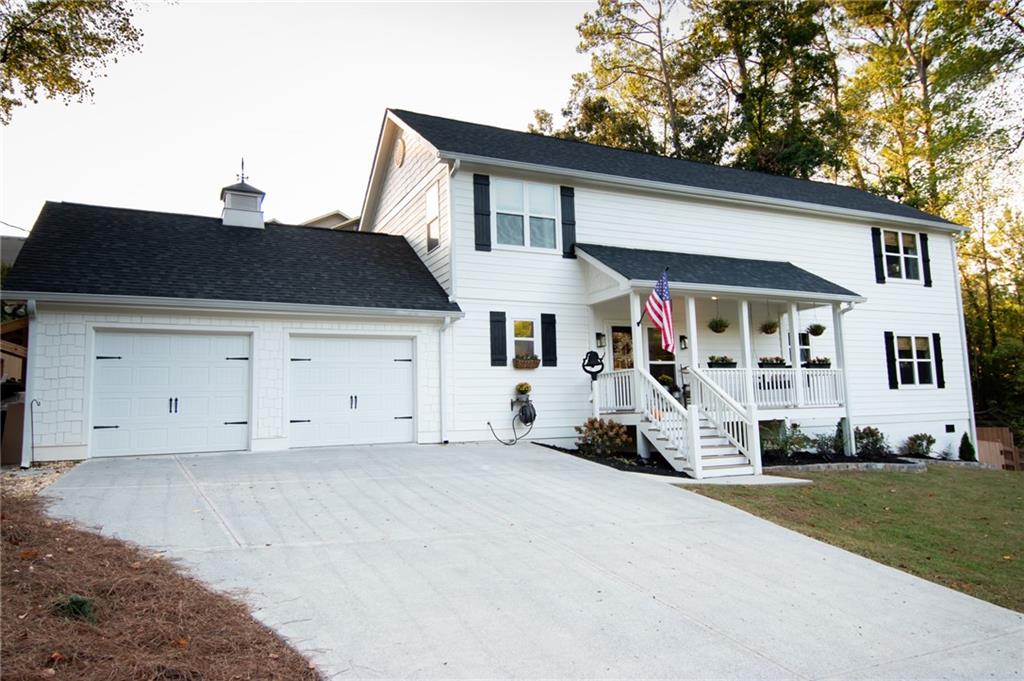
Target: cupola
243, 204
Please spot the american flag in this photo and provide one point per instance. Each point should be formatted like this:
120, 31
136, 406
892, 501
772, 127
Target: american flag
659, 309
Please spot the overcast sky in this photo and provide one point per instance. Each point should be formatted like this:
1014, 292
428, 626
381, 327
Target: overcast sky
298, 88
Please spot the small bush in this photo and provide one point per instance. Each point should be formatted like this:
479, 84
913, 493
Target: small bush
598, 436
840, 437
870, 441
785, 440
824, 444
967, 452
76, 607
919, 445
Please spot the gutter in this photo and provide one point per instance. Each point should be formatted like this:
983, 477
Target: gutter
809, 296
699, 192
442, 352
28, 429
251, 306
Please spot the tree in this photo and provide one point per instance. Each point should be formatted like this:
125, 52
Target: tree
57, 47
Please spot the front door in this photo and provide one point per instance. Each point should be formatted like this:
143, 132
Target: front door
622, 347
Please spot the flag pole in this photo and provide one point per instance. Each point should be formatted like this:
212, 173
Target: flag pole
644, 310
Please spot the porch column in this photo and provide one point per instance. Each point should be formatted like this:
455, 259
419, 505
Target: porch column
794, 354
754, 434
849, 444
693, 410
638, 348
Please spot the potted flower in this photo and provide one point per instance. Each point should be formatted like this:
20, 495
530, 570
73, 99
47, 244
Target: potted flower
818, 363
718, 325
771, 362
816, 329
768, 328
526, 360
523, 391
670, 385
721, 362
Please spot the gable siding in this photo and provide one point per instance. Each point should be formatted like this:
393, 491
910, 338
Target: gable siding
838, 250
401, 208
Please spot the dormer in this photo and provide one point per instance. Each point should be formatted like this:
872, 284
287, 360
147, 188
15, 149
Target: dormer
243, 206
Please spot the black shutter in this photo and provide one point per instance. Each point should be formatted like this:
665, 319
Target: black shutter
499, 352
482, 211
940, 376
876, 243
926, 262
890, 360
568, 223
548, 345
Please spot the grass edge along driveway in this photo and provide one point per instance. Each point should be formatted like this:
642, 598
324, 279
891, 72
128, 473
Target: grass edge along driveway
960, 527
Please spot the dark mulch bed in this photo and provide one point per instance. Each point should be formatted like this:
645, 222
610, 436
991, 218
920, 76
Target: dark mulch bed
625, 461
148, 620
774, 458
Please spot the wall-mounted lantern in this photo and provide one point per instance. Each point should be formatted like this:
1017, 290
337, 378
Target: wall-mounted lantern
599, 340
682, 343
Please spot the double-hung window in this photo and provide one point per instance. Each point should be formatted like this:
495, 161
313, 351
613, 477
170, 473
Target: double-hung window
524, 338
902, 255
433, 217
914, 360
526, 214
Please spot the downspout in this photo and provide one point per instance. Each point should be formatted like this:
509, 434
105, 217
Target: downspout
443, 379
972, 426
28, 431
456, 164
849, 439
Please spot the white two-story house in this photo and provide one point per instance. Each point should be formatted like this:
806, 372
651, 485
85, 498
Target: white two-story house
515, 246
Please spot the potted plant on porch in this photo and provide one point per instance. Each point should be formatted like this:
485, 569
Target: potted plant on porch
772, 363
818, 363
721, 362
526, 360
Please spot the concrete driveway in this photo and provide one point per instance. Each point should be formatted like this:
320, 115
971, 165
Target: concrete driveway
487, 561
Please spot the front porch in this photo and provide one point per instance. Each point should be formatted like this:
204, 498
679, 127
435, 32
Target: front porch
744, 355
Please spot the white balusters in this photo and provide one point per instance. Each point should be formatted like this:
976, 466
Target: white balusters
615, 390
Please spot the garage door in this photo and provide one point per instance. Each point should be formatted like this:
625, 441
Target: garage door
345, 391
159, 393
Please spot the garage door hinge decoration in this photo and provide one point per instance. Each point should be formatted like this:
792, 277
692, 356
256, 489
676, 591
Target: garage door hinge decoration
104, 427
299, 421
302, 359
108, 356
402, 418
244, 359
404, 360
236, 423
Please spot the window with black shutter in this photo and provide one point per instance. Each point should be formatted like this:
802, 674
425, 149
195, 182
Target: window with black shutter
499, 353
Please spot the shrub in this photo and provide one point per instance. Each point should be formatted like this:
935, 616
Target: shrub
919, 445
824, 444
718, 325
870, 441
967, 452
785, 440
523, 388
840, 437
598, 436
76, 607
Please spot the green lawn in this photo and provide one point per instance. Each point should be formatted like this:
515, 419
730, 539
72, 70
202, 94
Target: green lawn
960, 527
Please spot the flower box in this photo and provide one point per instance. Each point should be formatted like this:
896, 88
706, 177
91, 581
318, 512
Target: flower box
721, 365
523, 363
772, 365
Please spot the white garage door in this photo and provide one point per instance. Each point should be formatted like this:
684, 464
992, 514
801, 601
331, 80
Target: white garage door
346, 391
169, 392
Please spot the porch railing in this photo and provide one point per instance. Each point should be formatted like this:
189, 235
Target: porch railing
723, 411
776, 388
667, 415
615, 391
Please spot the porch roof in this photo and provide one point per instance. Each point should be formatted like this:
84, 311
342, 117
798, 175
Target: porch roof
715, 273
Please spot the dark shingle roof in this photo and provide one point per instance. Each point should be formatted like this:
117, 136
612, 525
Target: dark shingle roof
241, 187
511, 145
690, 268
76, 248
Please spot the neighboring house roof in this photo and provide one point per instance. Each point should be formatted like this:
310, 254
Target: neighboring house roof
714, 271
336, 219
484, 141
10, 247
82, 249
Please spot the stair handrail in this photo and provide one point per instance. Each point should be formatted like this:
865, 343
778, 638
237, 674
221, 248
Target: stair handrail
737, 413
666, 413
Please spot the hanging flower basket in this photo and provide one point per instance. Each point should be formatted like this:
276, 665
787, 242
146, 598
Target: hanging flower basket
768, 328
526, 362
816, 329
718, 325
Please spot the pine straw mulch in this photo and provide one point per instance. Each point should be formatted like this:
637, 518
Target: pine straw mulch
151, 622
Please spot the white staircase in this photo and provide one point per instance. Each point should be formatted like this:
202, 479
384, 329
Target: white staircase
711, 439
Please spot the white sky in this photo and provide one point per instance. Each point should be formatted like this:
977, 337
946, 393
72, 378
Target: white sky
299, 89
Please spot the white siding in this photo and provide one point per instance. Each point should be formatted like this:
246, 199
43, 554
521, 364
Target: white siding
401, 207
838, 250
62, 365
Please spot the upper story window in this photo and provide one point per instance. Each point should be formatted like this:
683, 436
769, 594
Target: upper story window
914, 360
902, 255
433, 211
525, 214
524, 338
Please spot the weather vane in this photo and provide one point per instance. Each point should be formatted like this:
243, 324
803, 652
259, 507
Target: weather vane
241, 176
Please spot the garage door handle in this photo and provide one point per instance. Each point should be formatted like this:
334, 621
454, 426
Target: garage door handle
175, 405
357, 401
170, 405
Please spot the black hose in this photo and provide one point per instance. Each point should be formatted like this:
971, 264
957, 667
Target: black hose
516, 437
